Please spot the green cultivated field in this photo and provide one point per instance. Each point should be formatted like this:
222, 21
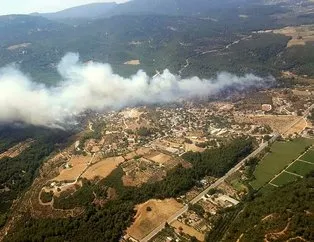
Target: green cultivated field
284, 178
309, 156
281, 155
301, 168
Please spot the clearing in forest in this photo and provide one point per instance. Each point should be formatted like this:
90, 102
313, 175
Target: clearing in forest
102, 168
132, 62
16, 149
299, 35
77, 165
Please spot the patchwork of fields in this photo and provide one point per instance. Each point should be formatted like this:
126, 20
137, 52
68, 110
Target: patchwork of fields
286, 162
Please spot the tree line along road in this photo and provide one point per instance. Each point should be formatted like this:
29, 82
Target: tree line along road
154, 232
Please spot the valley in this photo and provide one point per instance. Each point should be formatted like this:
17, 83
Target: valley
175, 121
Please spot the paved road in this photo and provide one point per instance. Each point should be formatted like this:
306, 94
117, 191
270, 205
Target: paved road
235, 168
305, 115
214, 185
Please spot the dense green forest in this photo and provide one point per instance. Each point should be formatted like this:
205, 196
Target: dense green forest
257, 55
289, 207
158, 41
108, 223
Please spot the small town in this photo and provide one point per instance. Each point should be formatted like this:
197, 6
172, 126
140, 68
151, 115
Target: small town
157, 120
147, 142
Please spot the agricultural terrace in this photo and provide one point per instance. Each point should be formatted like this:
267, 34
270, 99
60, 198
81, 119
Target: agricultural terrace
280, 156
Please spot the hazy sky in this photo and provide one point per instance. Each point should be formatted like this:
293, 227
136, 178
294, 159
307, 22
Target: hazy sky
30, 6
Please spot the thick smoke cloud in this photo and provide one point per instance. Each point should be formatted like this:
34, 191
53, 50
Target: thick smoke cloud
94, 86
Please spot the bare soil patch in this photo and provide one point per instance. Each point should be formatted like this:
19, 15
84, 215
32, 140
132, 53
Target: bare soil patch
278, 123
78, 164
300, 35
298, 127
17, 149
159, 157
269, 217
15, 47
183, 228
193, 147
131, 113
132, 62
146, 221
102, 168
277, 235
143, 151
130, 156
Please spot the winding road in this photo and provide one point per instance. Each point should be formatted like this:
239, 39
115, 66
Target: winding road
212, 51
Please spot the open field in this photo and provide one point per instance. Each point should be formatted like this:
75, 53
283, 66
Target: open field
143, 151
301, 168
279, 123
146, 221
297, 127
132, 62
284, 178
299, 35
159, 158
102, 168
130, 155
192, 147
78, 164
181, 227
309, 156
282, 154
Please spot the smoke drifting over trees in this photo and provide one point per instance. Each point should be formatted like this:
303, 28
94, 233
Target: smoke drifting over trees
94, 86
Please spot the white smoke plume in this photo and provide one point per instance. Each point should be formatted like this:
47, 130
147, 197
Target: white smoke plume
94, 86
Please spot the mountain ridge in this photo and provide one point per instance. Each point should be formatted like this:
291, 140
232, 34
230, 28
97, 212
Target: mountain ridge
92, 10
138, 7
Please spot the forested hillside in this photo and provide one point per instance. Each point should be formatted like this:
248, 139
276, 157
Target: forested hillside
107, 223
36, 44
18, 173
284, 213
